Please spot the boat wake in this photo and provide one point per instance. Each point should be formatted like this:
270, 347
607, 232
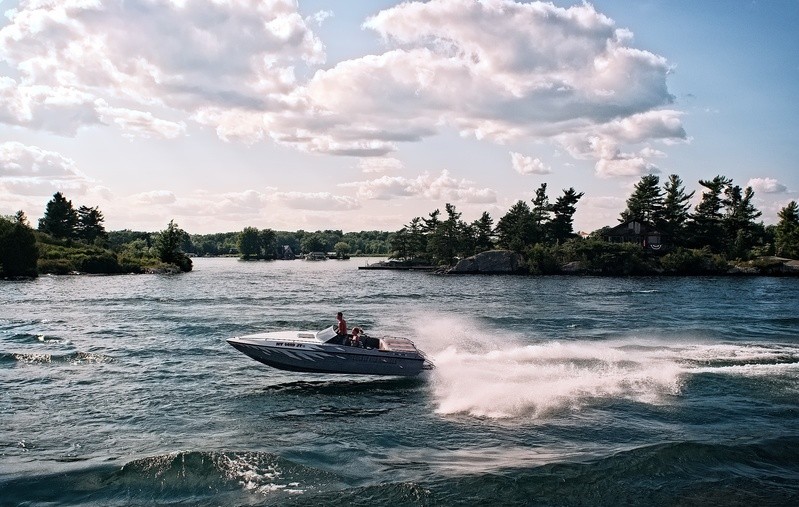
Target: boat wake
506, 376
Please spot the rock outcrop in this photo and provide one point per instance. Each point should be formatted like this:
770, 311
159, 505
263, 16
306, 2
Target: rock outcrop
766, 266
493, 262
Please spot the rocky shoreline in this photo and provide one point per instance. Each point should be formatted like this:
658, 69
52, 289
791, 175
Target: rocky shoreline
505, 262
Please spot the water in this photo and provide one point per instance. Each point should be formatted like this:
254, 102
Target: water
548, 390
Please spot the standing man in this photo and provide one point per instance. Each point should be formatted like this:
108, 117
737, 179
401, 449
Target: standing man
342, 324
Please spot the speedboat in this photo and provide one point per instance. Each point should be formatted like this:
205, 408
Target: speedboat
326, 351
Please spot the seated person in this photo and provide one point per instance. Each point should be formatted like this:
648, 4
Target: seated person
355, 341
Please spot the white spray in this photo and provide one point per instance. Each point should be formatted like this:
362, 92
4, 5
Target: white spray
490, 373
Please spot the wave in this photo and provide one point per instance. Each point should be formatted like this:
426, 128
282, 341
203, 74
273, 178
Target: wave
195, 477
37, 338
500, 375
73, 358
671, 473
679, 473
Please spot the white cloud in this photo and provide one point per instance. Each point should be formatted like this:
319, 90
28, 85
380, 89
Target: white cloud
153, 53
317, 201
139, 123
498, 70
379, 165
528, 165
155, 197
766, 186
438, 188
32, 171
625, 164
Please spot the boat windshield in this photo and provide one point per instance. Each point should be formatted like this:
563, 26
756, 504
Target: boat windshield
326, 334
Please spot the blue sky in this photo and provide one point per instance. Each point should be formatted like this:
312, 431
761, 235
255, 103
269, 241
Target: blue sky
362, 115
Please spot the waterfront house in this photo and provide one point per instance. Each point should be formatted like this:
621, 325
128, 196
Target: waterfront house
637, 232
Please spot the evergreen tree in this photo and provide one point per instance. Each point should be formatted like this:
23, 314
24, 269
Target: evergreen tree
675, 209
417, 243
60, 218
399, 245
786, 236
18, 252
89, 226
645, 205
451, 235
541, 212
516, 230
482, 228
707, 225
739, 220
21, 218
563, 210
432, 230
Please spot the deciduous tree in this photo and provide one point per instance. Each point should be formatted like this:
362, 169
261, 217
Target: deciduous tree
249, 243
167, 245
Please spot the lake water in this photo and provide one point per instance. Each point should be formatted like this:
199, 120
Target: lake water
548, 390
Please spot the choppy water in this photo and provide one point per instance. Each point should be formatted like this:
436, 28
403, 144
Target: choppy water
548, 391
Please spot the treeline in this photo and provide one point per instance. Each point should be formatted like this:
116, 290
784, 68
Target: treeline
441, 240
722, 227
252, 243
75, 240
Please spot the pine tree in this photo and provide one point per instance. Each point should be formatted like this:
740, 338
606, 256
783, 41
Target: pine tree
787, 233
482, 228
417, 242
645, 205
90, 224
676, 208
563, 210
739, 220
399, 245
707, 226
516, 229
541, 211
60, 218
452, 235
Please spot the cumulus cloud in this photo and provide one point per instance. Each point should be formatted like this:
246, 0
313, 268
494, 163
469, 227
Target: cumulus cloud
379, 165
33, 171
181, 55
528, 165
135, 123
767, 186
497, 70
315, 201
441, 188
155, 197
